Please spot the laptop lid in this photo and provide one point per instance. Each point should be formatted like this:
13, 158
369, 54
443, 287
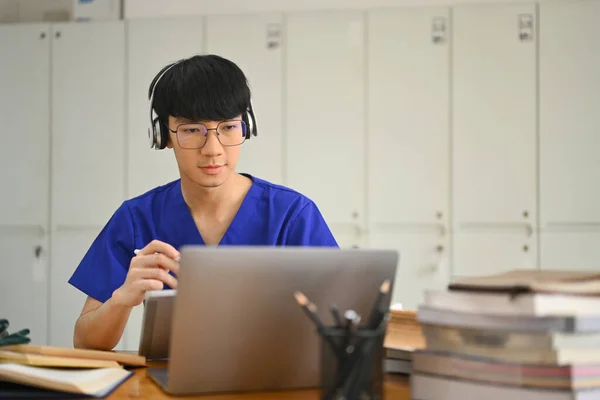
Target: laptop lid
236, 323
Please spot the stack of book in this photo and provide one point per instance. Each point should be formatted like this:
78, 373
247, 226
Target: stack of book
404, 336
46, 371
523, 334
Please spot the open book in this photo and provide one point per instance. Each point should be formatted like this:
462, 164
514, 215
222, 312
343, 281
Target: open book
96, 383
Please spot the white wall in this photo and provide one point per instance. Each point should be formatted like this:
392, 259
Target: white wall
156, 8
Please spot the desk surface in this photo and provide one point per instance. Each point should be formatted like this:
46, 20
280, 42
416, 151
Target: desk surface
142, 386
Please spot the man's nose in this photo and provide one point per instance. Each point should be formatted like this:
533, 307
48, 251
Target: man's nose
212, 145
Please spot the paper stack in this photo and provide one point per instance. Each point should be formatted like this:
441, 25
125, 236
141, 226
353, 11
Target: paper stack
523, 334
47, 371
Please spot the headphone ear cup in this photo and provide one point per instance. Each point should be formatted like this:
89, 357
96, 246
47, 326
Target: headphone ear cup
156, 135
249, 125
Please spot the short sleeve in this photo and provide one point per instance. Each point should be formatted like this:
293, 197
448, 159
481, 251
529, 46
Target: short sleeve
104, 267
310, 229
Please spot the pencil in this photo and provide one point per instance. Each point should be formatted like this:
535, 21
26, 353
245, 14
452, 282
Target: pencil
336, 315
309, 308
377, 312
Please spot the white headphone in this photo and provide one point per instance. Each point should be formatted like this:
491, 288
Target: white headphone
159, 137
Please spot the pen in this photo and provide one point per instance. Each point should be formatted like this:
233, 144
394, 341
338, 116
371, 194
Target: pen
136, 252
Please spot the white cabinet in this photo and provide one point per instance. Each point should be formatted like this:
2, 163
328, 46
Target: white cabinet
260, 56
408, 144
483, 251
151, 45
325, 116
24, 285
423, 264
88, 110
66, 302
569, 139
24, 177
88, 153
494, 137
494, 114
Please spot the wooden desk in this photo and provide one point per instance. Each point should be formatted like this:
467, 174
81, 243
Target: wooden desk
141, 386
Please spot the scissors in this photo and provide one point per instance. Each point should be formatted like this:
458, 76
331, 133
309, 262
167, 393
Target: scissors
19, 337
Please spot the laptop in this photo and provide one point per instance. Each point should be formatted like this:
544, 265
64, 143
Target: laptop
236, 326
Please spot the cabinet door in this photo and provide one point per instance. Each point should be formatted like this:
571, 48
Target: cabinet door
25, 115
24, 283
494, 113
325, 122
481, 251
408, 150
88, 91
569, 114
260, 56
66, 301
151, 45
574, 247
423, 262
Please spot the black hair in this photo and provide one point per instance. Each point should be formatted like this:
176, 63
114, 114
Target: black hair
203, 87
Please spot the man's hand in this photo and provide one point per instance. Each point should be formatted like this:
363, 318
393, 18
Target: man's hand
149, 270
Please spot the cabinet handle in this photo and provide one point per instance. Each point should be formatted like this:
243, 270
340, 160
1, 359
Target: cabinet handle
525, 248
57, 34
37, 251
439, 249
43, 35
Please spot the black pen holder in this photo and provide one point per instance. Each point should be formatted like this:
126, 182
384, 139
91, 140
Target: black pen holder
352, 363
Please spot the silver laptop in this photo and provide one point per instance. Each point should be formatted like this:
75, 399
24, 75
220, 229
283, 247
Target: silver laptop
236, 325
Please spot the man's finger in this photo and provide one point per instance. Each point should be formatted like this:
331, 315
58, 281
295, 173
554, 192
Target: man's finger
145, 285
158, 260
158, 275
156, 246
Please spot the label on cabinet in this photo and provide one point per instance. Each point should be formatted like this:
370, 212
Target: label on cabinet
273, 36
439, 30
526, 27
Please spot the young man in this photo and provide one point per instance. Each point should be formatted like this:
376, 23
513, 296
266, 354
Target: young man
200, 108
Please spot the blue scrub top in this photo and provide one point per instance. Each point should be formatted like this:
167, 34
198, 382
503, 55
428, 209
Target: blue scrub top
270, 215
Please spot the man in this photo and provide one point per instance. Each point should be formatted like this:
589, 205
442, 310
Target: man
204, 114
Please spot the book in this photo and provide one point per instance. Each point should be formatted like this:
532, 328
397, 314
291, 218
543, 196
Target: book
531, 356
7, 356
126, 359
499, 303
423, 386
478, 369
507, 340
513, 323
532, 281
98, 382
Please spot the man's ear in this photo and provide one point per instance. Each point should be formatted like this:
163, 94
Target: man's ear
169, 143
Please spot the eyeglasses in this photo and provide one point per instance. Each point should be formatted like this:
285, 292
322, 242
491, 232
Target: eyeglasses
14, 338
194, 136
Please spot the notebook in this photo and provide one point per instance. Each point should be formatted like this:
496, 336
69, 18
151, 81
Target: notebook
38, 360
28, 381
131, 360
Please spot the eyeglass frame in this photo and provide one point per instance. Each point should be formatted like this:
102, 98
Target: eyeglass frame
245, 136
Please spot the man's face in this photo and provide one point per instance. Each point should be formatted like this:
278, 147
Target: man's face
208, 166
